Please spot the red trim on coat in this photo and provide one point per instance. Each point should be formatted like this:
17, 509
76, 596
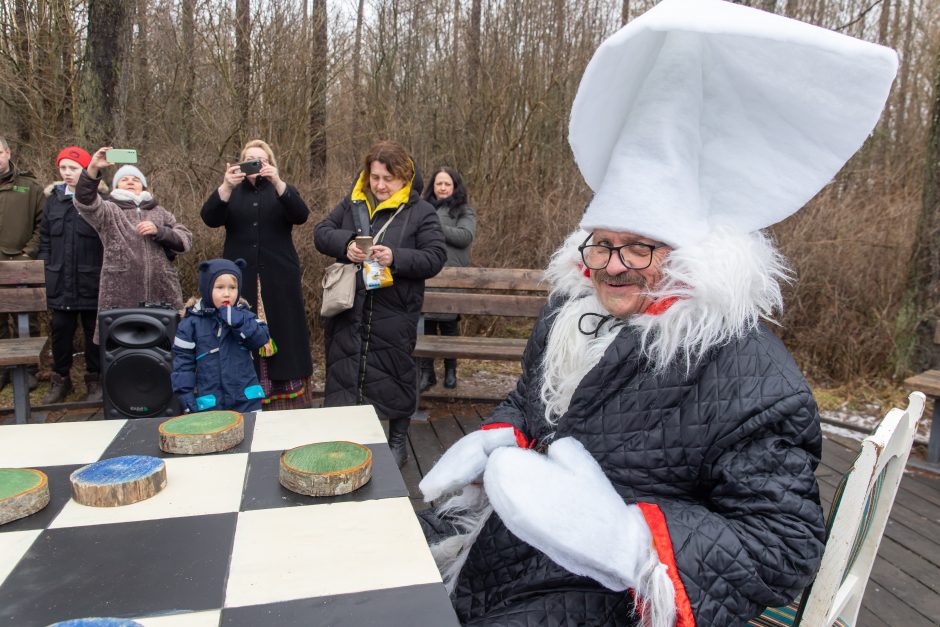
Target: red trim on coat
659, 306
656, 521
521, 440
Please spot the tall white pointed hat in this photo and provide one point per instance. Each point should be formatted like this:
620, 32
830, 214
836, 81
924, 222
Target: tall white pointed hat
703, 113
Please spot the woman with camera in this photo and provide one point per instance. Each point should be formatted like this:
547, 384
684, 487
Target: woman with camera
382, 225
258, 211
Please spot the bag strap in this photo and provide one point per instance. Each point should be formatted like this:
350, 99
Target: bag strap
385, 226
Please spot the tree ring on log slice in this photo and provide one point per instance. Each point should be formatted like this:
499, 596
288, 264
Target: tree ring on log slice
97, 622
203, 432
23, 491
325, 468
118, 481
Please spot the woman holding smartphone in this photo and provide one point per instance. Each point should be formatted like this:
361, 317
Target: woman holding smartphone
369, 346
259, 211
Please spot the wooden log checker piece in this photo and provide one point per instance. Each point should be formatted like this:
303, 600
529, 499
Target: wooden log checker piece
325, 468
23, 491
203, 432
118, 481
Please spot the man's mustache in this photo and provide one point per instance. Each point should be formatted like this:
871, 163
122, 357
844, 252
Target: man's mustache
624, 278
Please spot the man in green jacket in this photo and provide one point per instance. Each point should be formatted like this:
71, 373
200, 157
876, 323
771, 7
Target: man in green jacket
21, 201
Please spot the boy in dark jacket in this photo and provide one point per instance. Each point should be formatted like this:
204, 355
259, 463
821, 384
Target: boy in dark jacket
73, 254
212, 364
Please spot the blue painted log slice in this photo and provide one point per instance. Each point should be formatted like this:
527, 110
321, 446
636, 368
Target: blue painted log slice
118, 481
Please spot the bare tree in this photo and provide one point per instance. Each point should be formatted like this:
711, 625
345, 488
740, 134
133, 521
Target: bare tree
918, 316
242, 77
104, 57
187, 31
319, 64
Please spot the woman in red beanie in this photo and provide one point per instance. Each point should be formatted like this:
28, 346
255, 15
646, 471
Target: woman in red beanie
73, 254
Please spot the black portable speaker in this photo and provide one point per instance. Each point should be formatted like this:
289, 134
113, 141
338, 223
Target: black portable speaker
136, 362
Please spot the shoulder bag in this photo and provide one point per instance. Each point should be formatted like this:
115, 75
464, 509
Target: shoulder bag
339, 282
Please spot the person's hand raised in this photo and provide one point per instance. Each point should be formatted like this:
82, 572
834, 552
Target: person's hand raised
146, 228
233, 176
270, 172
98, 161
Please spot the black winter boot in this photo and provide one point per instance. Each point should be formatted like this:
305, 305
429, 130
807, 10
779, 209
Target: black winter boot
450, 376
428, 378
93, 387
59, 388
398, 439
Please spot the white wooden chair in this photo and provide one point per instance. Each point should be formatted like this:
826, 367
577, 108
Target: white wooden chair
857, 520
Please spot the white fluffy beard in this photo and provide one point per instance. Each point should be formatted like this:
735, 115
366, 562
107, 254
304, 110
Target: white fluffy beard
570, 354
724, 284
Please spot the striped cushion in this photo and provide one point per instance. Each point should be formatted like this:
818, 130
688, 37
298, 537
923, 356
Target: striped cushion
784, 616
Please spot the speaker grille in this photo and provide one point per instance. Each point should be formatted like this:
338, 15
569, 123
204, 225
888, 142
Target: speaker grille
137, 331
138, 384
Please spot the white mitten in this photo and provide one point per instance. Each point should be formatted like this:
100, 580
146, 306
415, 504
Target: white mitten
464, 462
562, 504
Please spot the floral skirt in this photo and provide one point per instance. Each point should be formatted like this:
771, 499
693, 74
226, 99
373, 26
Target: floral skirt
288, 394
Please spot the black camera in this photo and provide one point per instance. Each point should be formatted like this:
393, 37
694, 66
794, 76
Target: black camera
250, 167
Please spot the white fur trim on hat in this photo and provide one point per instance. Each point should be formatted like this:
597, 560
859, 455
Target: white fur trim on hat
702, 113
128, 170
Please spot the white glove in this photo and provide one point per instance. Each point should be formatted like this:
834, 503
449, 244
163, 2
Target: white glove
562, 504
464, 462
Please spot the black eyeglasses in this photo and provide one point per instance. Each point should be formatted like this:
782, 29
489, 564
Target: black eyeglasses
636, 255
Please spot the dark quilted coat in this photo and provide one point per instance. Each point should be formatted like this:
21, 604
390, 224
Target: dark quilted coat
728, 454
368, 347
72, 252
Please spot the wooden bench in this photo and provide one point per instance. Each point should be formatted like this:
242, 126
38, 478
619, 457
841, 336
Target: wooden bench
508, 292
22, 291
928, 382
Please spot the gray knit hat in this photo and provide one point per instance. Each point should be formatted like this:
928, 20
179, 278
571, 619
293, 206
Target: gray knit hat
128, 170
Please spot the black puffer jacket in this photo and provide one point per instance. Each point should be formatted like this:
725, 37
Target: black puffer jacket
72, 252
722, 462
368, 347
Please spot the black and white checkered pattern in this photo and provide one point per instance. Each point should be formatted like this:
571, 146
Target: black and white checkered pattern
223, 543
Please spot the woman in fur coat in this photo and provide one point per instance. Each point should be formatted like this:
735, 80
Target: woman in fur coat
136, 233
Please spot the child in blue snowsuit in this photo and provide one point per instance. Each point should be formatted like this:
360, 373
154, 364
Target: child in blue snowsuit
212, 352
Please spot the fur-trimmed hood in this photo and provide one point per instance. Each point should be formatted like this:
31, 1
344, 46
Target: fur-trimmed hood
723, 287
51, 187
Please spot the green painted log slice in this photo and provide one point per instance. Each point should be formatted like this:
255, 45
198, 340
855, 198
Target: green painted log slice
23, 491
203, 432
326, 468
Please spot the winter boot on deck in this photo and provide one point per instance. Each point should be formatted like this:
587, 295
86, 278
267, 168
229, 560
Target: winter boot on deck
398, 439
59, 388
428, 378
93, 388
450, 375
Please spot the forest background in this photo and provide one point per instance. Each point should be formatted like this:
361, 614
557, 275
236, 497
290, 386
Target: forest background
484, 86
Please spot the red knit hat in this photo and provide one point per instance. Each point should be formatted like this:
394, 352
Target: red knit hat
76, 154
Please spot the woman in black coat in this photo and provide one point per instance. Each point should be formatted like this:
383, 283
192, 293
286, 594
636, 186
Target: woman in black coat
259, 211
368, 347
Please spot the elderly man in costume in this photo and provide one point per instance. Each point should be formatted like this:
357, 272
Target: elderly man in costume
655, 463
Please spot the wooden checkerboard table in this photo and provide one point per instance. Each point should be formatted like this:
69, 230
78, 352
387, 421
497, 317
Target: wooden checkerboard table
223, 543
